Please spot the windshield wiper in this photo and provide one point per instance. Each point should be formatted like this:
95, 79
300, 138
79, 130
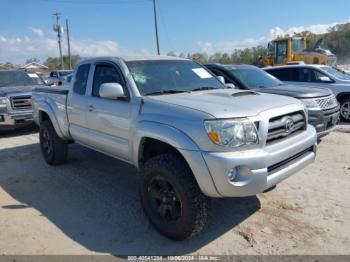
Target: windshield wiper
204, 88
170, 91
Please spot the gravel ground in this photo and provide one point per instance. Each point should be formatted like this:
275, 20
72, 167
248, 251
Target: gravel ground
90, 205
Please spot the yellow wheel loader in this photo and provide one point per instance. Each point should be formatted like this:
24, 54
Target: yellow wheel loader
291, 50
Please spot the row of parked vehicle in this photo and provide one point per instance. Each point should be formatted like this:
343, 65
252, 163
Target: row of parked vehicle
194, 132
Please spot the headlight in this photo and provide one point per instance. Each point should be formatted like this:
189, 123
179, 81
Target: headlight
232, 132
3, 101
310, 103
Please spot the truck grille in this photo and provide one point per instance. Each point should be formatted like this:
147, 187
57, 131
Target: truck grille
21, 102
327, 102
283, 126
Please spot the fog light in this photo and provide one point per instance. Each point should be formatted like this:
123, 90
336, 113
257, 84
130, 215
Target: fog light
231, 174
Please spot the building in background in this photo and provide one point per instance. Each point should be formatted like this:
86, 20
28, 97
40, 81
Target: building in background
35, 67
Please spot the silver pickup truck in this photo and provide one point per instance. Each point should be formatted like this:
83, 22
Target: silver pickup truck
192, 137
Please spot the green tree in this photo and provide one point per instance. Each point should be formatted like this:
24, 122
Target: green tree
54, 63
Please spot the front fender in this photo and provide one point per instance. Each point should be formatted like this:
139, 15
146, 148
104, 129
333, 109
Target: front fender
183, 143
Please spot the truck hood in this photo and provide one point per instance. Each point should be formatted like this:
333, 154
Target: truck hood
7, 90
226, 103
297, 91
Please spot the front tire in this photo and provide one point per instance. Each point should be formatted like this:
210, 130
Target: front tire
171, 197
53, 148
345, 109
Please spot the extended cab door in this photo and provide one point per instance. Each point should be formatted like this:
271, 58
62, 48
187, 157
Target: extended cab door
77, 104
109, 119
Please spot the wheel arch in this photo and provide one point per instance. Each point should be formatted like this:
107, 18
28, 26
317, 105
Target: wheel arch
154, 138
343, 95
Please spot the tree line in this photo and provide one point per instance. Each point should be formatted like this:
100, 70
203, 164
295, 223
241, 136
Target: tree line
337, 39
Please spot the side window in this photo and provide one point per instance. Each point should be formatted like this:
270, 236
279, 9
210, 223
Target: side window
306, 75
319, 75
81, 79
105, 73
284, 74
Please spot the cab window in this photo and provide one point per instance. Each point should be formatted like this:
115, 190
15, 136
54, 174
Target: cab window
81, 79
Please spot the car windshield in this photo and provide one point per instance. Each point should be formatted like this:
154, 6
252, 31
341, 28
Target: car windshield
156, 77
65, 73
336, 73
255, 78
18, 78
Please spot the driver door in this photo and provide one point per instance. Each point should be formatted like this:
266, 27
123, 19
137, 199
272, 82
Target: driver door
109, 119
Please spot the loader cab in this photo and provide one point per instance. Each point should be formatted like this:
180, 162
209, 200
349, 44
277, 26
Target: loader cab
285, 48
281, 51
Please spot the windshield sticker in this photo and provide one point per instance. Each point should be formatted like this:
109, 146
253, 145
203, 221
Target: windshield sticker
33, 75
202, 73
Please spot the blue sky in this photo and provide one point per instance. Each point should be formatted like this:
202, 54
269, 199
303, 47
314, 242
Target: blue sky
117, 27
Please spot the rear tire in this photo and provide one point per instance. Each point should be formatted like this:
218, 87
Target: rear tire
345, 109
171, 197
53, 148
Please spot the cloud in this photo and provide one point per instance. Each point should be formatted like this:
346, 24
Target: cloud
18, 49
230, 45
37, 31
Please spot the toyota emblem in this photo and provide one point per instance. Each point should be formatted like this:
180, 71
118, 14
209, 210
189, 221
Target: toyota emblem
289, 125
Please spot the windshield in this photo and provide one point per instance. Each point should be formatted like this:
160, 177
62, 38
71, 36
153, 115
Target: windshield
255, 78
65, 73
18, 78
297, 45
171, 76
336, 73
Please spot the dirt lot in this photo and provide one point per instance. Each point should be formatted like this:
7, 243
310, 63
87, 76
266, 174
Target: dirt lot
90, 205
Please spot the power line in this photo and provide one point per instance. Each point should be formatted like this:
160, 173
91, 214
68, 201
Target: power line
58, 28
156, 25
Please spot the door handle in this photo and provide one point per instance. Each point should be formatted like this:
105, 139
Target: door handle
91, 108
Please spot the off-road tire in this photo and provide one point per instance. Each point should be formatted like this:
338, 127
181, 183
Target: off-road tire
342, 102
57, 154
194, 204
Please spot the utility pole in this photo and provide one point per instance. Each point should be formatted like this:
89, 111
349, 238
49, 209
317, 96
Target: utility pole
68, 43
59, 29
156, 25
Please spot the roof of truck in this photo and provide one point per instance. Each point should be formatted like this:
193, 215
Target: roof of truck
134, 58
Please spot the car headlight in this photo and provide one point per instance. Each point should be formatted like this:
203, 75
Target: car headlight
3, 101
310, 103
232, 132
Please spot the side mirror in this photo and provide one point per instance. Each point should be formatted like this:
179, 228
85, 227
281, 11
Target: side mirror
111, 91
221, 79
325, 79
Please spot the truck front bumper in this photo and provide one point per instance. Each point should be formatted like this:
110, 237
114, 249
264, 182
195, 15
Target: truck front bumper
253, 171
11, 121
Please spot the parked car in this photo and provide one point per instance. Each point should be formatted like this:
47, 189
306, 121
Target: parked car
191, 137
58, 77
323, 108
15, 98
318, 76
